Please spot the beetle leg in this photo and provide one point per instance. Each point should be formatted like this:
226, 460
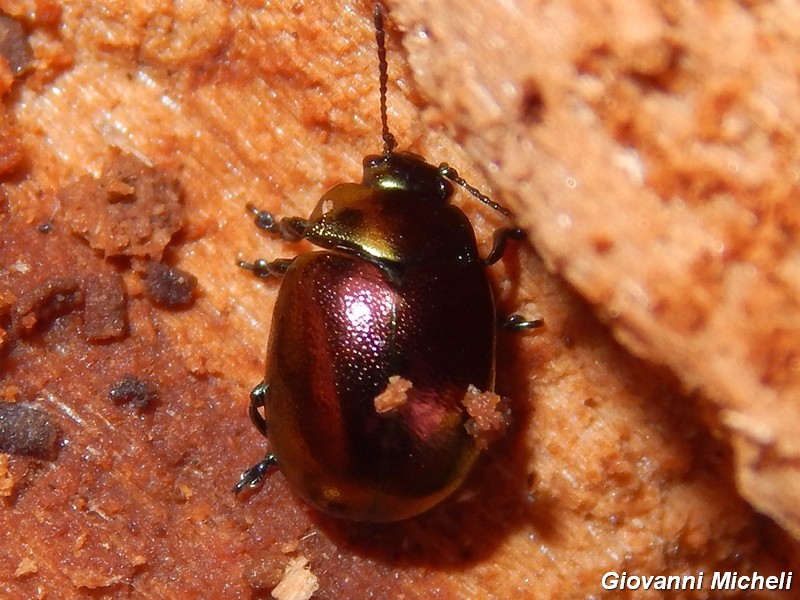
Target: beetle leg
253, 476
290, 229
519, 323
264, 268
258, 399
514, 323
501, 236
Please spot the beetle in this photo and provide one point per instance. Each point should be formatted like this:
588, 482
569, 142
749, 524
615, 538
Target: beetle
396, 301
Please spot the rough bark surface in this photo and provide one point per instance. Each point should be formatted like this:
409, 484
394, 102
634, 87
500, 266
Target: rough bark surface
650, 151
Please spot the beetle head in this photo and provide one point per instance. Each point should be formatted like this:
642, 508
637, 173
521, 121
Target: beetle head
408, 172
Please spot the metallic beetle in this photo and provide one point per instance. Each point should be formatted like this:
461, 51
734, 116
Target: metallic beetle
398, 291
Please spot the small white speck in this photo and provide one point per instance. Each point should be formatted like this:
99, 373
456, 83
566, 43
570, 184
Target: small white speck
631, 163
64, 408
21, 266
146, 80
564, 221
169, 102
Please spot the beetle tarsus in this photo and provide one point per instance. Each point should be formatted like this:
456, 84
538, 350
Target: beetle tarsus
252, 477
519, 323
262, 219
258, 400
264, 268
291, 229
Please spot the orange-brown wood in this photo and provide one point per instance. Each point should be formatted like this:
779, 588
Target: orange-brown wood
652, 154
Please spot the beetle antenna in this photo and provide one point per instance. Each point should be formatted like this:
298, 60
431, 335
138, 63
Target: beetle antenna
446, 170
389, 143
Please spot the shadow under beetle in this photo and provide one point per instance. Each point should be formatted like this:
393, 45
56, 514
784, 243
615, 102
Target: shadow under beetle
399, 290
